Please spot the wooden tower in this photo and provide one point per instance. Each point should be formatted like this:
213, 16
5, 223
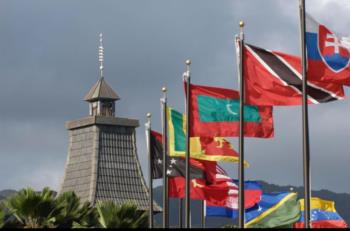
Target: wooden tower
102, 161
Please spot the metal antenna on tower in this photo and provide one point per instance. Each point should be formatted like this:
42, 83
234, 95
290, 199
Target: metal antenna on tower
101, 55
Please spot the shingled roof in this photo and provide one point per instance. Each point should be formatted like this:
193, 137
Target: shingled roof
101, 90
103, 164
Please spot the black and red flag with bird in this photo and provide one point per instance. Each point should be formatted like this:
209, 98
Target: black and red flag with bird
208, 180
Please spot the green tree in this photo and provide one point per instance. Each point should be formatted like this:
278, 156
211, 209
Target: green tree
111, 215
72, 211
2, 216
33, 209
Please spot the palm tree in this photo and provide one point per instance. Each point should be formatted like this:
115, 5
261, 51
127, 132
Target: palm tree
33, 209
2, 216
71, 211
126, 215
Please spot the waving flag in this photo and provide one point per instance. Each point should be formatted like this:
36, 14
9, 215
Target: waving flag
224, 193
203, 148
273, 78
252, 193
274, 210
176, 165
323, 215
328, 54
208, 180
215, 112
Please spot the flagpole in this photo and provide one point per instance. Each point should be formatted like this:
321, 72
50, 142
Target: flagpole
203, 214
241, 131
306, 145
150, 167
180, 212
165, 160
187, 78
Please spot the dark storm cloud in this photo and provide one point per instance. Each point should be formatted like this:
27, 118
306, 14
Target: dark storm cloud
48, 62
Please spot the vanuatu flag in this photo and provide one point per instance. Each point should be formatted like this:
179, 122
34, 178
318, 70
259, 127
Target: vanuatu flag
203, 148
215, 112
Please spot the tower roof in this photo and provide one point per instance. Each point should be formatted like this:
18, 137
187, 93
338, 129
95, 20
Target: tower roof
101, 90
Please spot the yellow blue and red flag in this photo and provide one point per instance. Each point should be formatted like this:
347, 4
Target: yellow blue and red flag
323, 215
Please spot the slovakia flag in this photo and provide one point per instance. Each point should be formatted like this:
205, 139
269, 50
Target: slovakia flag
328, 54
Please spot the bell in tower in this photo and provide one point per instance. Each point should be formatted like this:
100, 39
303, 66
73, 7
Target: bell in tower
102, 162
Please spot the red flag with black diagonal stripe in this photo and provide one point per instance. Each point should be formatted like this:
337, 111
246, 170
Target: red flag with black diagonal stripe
274, 78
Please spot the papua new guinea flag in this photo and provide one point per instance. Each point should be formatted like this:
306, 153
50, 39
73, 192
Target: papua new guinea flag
274, 78
215, 112
176, 165
203, 148
323, 215
328, 54
273, 210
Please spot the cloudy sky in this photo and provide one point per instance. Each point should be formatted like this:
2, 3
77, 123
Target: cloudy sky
48, 62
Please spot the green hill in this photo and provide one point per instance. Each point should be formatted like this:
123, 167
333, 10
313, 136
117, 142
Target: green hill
6, 193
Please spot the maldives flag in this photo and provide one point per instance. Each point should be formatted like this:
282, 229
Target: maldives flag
328, 54
215, 113
273, 78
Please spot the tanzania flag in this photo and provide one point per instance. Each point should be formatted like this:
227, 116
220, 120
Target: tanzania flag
215, 112
274, 210
203, 148
323, 215
274, 78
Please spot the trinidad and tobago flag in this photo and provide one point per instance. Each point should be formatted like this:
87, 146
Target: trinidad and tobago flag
328, 54
215, 112
273, 78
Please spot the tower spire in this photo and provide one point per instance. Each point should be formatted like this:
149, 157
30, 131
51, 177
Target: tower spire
101, 55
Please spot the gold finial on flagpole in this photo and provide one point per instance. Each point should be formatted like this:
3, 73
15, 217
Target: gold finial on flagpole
241, 24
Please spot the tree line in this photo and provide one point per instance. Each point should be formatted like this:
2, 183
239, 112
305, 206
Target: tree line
30, 209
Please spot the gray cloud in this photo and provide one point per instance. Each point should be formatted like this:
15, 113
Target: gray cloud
48, 62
